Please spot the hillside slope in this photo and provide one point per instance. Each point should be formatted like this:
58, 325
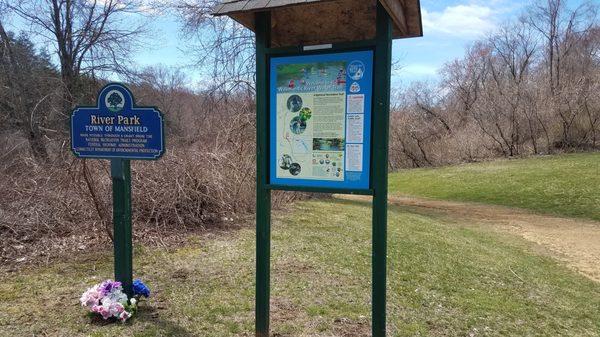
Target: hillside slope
565, 185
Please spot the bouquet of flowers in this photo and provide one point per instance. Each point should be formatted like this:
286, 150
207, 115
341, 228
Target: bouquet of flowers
108, 299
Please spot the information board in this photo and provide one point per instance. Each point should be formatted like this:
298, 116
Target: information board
320, 120
116, 128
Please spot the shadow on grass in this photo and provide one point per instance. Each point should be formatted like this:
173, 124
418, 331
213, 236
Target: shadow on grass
163, 327
155, 325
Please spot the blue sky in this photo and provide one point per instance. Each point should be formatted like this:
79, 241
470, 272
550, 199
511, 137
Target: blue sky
449, 27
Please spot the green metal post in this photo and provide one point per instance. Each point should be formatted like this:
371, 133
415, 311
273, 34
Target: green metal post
263, 194
121, 180
381, 98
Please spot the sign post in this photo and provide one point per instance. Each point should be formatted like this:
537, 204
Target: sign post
121, 179
382, 76
118, 130
263, 194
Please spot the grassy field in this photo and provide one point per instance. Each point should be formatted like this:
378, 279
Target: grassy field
566, 185
445, 279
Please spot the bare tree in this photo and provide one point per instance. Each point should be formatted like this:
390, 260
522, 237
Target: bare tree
509, 61
427, 101
557, 24
168, 82
462, 77
27, 83
89, 36
562, 30
530, 87
222, 48
167, 88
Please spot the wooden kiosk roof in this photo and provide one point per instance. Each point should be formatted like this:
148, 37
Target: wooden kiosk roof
310, 22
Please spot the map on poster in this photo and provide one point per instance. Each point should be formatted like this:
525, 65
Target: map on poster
320, 120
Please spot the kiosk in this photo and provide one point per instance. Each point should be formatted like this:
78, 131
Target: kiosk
323, 71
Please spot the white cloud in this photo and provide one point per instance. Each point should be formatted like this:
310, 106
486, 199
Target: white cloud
149, 7
418, 69
466, 21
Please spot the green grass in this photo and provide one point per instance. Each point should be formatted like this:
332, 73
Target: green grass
445, 279
565, 185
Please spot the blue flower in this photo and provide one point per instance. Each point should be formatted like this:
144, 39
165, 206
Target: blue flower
140, 289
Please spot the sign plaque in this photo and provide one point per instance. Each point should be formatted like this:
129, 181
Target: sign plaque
116, 128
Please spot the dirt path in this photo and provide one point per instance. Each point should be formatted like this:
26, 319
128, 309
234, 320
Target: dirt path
574, 241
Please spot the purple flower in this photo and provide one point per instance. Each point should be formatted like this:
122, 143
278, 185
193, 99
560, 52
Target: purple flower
108, 286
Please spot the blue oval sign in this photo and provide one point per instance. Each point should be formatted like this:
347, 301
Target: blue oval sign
117, 128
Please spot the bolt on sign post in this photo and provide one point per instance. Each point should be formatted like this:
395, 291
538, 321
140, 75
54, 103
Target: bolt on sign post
323, 71
118, 130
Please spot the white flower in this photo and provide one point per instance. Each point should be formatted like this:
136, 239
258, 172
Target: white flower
117, 296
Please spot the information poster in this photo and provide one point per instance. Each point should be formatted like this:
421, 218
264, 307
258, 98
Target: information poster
320, 120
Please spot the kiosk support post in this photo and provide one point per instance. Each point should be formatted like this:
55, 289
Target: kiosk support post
381, 97
121, 181
263, 194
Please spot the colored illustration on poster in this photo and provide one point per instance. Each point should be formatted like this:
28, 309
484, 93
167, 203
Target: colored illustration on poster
320, 120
